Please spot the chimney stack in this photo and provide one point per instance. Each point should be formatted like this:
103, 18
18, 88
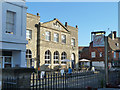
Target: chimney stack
65, 24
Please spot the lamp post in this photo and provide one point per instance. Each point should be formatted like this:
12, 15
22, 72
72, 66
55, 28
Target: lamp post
106, 60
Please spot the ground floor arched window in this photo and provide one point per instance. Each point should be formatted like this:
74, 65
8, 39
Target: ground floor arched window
29, 58
47, 57
63, 57
56, 57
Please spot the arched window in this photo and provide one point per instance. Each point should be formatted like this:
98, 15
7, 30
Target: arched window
56, 57
29, 58
63, 56
47, 57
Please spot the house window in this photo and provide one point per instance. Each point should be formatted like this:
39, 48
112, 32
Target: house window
63, 56
73, 42
100, 54
48, 36
8, 62
56, 57
93, 54
29, 34
63, 38
10, 22
47, 57
29, 58
114, 54
56, 37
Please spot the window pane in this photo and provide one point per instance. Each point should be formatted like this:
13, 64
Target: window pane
7, 59
47, 57
63, 37
29, 34
10, 21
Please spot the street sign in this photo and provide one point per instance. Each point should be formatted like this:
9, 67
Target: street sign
98, 40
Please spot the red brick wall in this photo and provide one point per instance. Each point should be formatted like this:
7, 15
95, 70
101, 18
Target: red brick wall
97, 51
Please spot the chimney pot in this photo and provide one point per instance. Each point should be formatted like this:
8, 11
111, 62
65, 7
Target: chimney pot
54, 18
76, 26
37, 14
65, 24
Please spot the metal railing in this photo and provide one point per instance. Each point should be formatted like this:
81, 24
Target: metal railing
75, 80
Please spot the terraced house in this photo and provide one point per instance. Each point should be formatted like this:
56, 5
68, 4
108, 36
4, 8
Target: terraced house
55, 43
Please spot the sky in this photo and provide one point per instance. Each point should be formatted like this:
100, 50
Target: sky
89, 16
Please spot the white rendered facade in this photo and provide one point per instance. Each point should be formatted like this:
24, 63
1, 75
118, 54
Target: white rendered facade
12, 33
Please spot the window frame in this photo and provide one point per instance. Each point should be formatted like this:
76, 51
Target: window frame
56, 37
28, 34
48, 36
10, 22
115, 55
93, 54
29, 57
56, 58
47, 57
63, 56
73, 41
101, 54
63, 39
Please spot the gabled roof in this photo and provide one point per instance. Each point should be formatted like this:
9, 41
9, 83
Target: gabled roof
58, 22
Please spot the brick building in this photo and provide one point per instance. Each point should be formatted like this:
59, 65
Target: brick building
97, 54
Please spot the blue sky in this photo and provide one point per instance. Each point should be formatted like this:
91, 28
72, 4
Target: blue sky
89, 16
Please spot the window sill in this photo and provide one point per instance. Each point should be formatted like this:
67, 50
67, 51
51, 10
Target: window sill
47, 64
9, 32
56, 64
63, 64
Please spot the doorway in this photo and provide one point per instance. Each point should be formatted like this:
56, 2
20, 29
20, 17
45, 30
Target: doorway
73, 60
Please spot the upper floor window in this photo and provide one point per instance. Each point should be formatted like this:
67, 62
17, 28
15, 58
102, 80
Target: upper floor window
93, 54
29, 34
100, 54
56, 37
73, 42
10, 22
47, 35
63, 38
114, 54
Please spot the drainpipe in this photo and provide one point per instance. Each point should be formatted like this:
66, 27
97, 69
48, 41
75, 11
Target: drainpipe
38, 44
